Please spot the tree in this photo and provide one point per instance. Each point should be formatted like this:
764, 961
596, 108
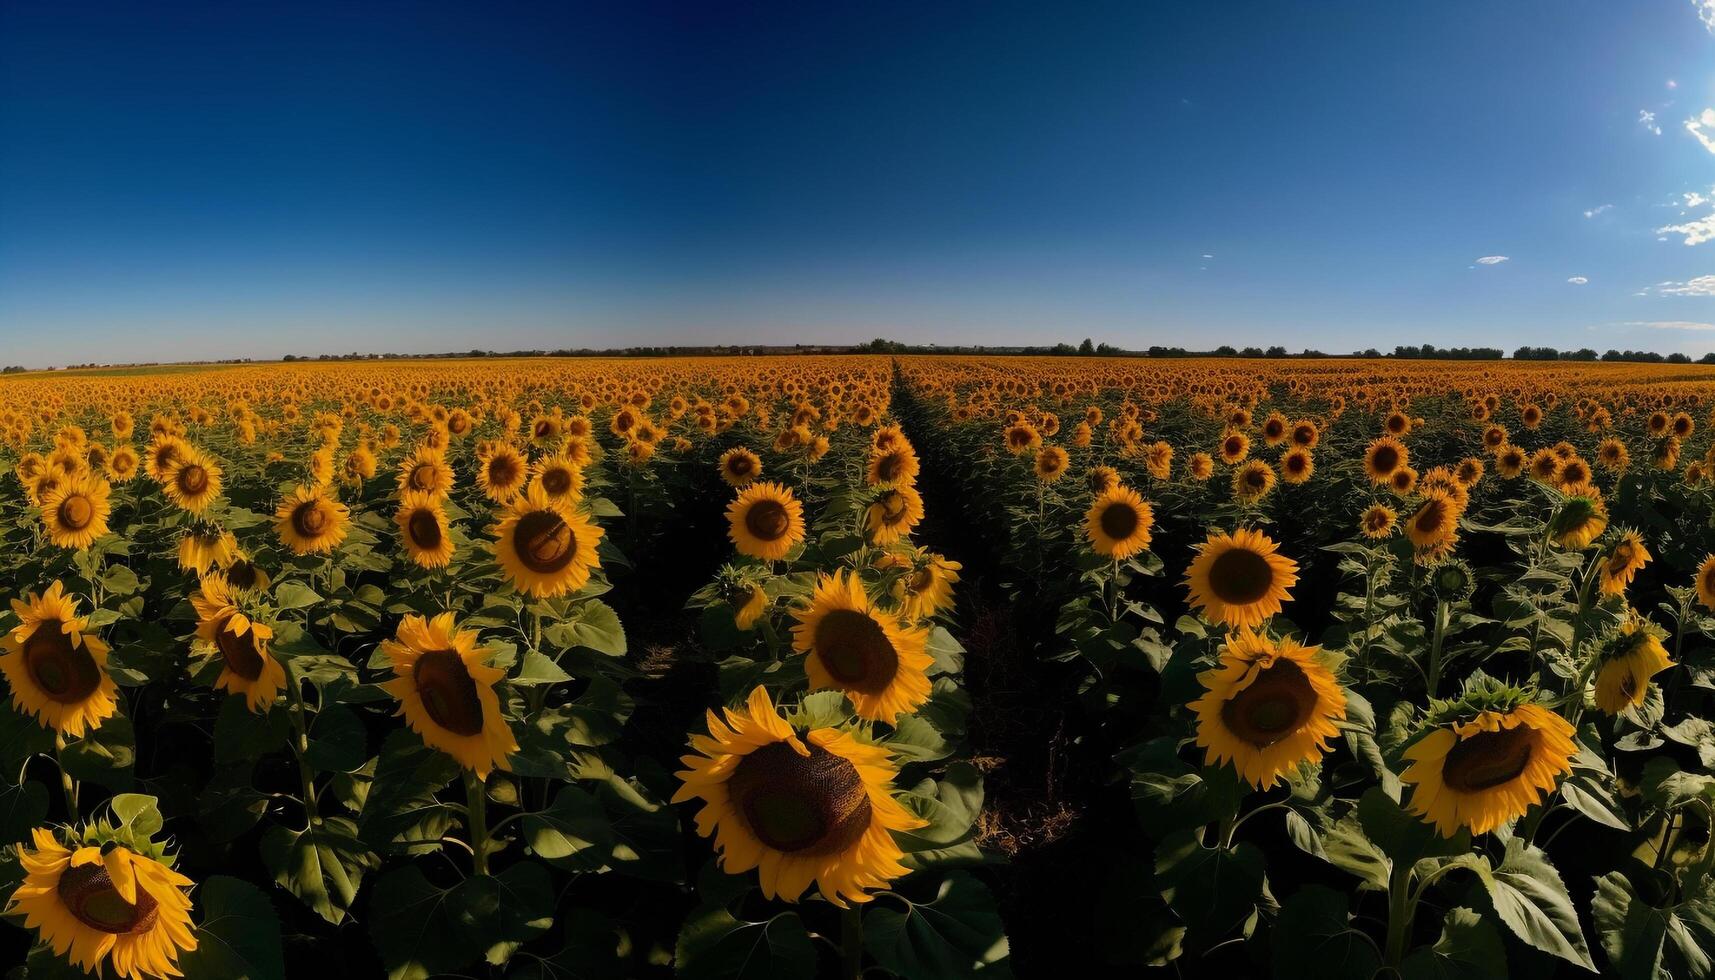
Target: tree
1251, 352
1225, 351
1086, 348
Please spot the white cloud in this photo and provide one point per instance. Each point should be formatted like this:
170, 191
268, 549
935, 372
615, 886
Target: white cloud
1672, 84
1646, 119
1577, 280
1702, 127
1706, 13
1207, 256
1598, 209
1492, 259
1700, 286
1669, 325
1696, 232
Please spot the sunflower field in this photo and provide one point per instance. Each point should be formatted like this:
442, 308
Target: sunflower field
858, 666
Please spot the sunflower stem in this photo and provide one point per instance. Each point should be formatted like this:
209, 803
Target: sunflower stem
1399, 910
67, 784
1437, 640
1575, 702
301, 746
851, 943
477, 811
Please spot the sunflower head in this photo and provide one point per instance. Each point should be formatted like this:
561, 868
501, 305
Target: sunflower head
765, 521
75, 512
894, 513
445, 689
1626, 662
309, 521
1240, 579
1484, 758
1268, 707
1377, 521
423, 530
107, 896
1119, 523
1582, 517
56, 668
1621, 563
546, 548
228, 631
740, 467
802, 805
853, 645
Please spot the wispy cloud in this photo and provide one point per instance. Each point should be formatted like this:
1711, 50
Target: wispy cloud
1669, 324
1706, 13
1598, 209
1700, 286
1646, 119
1492, 259
1577, 280
1703, 127
1696, 232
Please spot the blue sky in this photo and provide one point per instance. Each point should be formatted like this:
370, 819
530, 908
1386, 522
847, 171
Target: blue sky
250, 179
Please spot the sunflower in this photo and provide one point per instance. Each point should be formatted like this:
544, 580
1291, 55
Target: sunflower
1235, 446
765, 521
501, 473
1252, 481
243, 576
1021, 437
1297, 465
1383, 456
1487, 760
426, 471
193, 480
740, 467
895, 512
1623, 561
423, 530
750, 606
1627, 664
1101, 479
561, 480
308, 521
57, 671
896, 464
1119, 523
1435, 522
926, 587
1050, 464
546, 549
802, 807
1239, 579
1581, 518
1510, 461
241, 643
75, 513
1706, 583
163, 453
1612, 455
445, 689
205, 547
852, 645
1270, 707
105, 901
122, 464
1544, 466
1377, 521
1201, 466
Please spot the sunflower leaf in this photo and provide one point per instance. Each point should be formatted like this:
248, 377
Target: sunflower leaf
239, 938
1531, 900
715, 944
1314, 939
1469, 947
323, 866
956, 935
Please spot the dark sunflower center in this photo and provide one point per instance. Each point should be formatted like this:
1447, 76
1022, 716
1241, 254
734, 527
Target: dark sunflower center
425, 528
888, 467
1119, 520
1275, 705
239, 653
1385, 458
1239, 576
449, 694
1256, 479
1621, 559
88, 893
893, 507
1273, 429
557, 481
545, 543
502, 471
738, 465
855, 650
423, 477
813, 805
309, 519
242, 574
64, 673
767, 520
1233, 447
1487, 759
1431, 517
921, 579
76, 512
193, 479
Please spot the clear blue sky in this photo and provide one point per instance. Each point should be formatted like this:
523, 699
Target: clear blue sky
252, 179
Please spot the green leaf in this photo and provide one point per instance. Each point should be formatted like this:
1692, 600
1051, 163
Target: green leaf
336, 741
539, 668
295, 595
1349, 849
401, 807
949, 655
23, 807
1630, 929
1314, 939
593, 624
499, 913
955, 935
1213, 889
411, 921
1405, 837
138, 813
574, 824
104, 756
323, 866
1469, 949
240, 735
715, 945
1531, 900
239, 938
